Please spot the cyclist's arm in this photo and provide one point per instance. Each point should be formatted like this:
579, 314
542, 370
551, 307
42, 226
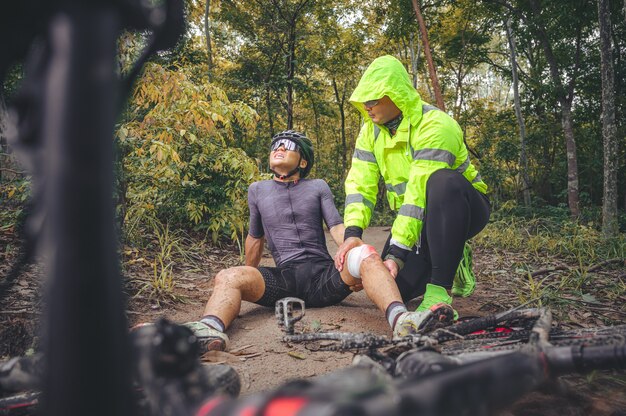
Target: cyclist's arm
336, 233
254, 250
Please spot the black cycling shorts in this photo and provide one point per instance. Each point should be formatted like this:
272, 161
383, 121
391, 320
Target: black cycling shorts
316, 281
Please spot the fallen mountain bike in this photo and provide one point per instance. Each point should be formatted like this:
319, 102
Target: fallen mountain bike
414, 378
470, 339
432, 387
475, 367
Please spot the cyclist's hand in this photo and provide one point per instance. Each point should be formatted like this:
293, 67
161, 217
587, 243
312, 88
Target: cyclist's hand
343, 249
392, 266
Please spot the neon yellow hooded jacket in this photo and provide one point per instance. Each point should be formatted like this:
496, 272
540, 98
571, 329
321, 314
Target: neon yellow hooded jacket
427, 140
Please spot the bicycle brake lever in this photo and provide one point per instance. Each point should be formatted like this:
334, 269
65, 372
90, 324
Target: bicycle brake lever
285, 313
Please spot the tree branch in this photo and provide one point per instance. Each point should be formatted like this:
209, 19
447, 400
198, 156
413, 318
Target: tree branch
591, 269
548, 270
16, 172
606, 263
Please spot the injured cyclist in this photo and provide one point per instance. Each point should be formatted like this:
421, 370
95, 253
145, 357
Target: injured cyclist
287, 213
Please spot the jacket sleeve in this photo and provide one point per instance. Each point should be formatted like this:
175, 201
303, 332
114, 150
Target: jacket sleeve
434, 147
362, 181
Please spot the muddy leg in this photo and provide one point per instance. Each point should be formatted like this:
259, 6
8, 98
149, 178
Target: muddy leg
378, 283
231, 287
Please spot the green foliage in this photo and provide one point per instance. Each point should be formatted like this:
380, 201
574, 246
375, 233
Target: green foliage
161, 284
179, 164
566, 252
489, 131
189, 148
13, 196
550, 232
165, 251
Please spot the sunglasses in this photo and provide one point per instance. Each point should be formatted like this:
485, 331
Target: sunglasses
287, 144
371, 103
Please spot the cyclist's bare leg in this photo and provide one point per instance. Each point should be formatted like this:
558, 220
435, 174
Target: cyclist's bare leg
231, 286
378, 283
380, 286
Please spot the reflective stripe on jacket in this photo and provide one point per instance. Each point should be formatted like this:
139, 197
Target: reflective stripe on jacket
427, 140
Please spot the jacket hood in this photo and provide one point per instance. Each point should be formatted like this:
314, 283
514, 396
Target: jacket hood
387, 76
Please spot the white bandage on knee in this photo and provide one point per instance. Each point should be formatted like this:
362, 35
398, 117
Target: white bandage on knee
355, 257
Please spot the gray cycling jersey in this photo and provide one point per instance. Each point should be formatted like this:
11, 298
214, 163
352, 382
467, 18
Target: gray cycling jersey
289, 215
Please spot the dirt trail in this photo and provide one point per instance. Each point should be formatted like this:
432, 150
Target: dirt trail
266, 362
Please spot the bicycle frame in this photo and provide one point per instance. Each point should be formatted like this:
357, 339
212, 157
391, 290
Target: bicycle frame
68, 106
84, 299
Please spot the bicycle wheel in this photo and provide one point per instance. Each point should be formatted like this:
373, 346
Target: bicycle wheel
19, 404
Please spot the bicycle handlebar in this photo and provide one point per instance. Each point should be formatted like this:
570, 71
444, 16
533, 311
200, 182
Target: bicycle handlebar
479, 388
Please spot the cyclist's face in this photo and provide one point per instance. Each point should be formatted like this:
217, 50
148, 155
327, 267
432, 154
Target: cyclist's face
382, 110
285, 160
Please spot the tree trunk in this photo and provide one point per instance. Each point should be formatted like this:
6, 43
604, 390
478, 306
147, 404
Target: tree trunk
404, 53
459, 93
207, 33
609, 130
572, 159
543, 184
3, 142
428, 87
341, 104
268, 103
291, 18
414, 57
520, 118
429, 59
565, 100
316, 116
291, 69
316, 113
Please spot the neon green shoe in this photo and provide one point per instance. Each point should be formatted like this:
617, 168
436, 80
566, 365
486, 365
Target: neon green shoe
464, 281
435, 295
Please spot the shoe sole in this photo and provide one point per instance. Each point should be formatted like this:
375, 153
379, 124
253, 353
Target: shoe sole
211, 344
442, 316
206, 344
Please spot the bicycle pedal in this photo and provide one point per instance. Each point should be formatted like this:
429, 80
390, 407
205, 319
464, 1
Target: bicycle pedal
289, 311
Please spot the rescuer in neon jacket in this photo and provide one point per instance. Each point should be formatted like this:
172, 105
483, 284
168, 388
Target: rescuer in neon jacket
431, 183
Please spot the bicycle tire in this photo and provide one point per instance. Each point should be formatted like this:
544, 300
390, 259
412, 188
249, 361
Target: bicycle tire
19, 404
603, 336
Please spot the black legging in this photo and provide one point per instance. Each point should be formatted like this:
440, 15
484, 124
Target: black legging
455, 212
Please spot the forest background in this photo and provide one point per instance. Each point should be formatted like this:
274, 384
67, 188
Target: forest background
538, 88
